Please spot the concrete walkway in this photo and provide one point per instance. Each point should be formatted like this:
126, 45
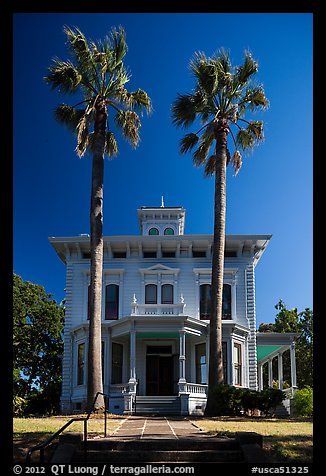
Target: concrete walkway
156, 427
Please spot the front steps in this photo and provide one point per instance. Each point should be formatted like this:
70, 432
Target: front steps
158, 405
162, 450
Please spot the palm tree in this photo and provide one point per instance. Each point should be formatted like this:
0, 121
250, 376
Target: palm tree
222, 96
98, 74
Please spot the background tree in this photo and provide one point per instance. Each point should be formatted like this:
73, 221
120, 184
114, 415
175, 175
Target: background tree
98, 74
290, 320
37, 345
223, 95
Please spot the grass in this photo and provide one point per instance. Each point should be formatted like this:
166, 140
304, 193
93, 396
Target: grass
28, 432
285, 440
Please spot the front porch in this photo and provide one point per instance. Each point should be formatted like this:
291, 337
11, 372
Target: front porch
158, 364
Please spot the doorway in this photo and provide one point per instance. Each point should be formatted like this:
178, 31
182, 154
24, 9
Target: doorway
159, 370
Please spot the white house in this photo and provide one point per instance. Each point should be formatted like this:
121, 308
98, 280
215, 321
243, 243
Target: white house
155, 316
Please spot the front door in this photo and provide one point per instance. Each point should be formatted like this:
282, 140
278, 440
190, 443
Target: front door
159, 374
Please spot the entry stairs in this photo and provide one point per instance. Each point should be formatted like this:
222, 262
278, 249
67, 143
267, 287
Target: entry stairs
158, 405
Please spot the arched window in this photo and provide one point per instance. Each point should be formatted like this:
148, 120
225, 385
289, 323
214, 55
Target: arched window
205, 301
167, 294
111, 302
150, 294
168, 231
153, 231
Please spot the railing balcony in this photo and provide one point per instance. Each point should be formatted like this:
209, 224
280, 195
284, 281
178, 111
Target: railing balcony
195, 389
157, 309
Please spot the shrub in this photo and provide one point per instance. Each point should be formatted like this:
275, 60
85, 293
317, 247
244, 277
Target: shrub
303, 401
228, 400
232, 400
269, 399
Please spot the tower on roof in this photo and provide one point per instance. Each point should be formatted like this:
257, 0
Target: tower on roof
161, 220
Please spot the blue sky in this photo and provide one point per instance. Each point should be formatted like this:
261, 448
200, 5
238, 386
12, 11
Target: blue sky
272, 194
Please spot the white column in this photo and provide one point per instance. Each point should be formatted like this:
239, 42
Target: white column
260, 376
231, 354
207, 358
280, 370
132, 378
182, 360
270, 372
293, 365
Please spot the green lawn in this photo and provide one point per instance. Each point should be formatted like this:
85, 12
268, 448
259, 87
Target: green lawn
286, 440
28, 432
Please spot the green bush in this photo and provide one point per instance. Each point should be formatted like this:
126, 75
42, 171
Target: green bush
303, 401
227, 400
232, 400
269, 399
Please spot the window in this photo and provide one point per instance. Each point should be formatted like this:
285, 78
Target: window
153, 231
226, 303
119, 254
149, 254
150, 294
117, 362
80, 363
168, 254
201, 376
167, 294
168, 231
205, 301
237, 364
199, 254
111, 302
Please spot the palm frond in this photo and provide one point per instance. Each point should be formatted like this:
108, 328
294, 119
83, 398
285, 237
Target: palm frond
188, 142
184, 110
206, 142
83, 130
119, 45
210, 166
83, 54
254, 98
111, 146
68, 115
135, 100
205, 73
250, 136
129, 123
64, 76
247, 69
236, 162
257, 129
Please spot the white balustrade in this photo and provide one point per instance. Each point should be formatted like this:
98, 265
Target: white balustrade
157, 309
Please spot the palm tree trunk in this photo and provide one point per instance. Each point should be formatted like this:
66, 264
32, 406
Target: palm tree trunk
94, 381
215, 350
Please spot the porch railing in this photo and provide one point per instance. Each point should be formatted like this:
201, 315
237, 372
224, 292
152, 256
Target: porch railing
157, 309
196, 389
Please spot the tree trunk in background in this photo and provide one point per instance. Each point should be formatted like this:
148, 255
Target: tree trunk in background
215, 349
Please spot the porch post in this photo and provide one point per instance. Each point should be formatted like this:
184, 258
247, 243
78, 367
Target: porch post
293, 365
270, 372
280, 370
182, 361
132, 379
260, 377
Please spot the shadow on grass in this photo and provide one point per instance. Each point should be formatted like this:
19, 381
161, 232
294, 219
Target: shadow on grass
289, 449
